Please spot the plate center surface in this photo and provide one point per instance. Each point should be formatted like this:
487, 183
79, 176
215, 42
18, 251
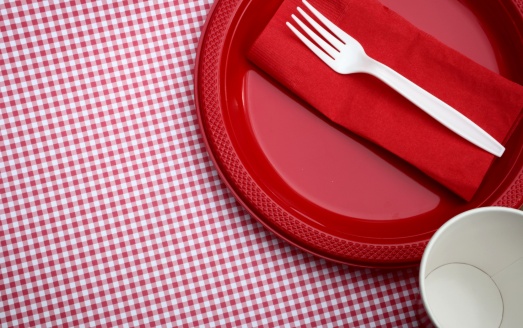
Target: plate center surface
338, 171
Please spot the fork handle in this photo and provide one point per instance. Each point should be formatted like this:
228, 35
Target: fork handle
436, 108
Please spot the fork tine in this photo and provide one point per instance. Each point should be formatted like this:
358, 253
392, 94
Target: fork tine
324, 45
327, 35
334, 29
323, 56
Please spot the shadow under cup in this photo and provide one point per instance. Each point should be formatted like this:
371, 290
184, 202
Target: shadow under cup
471, 273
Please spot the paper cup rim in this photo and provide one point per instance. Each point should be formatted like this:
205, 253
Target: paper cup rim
442, 230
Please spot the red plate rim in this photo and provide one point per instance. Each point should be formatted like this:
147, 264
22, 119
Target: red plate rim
263, 208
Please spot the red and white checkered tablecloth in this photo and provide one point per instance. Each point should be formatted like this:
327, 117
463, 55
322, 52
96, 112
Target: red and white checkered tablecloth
111, 211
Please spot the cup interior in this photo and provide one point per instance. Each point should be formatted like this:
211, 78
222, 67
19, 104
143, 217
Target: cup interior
471, 273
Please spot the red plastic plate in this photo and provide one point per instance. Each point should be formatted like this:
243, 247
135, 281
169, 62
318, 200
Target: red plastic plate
324, 189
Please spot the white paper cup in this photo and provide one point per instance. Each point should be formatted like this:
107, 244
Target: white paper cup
471, 273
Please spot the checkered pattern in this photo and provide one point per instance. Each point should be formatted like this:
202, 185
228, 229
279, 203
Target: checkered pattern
111, 211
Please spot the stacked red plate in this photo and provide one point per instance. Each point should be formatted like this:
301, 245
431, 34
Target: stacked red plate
322, 188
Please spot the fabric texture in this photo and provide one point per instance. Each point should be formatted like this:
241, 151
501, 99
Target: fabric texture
112, 213
366, 106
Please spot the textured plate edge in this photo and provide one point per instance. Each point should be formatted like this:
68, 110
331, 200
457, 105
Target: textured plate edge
259, 204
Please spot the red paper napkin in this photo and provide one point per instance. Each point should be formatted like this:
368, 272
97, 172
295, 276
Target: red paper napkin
368, 107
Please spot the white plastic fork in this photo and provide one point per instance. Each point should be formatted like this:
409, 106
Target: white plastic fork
346, 55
